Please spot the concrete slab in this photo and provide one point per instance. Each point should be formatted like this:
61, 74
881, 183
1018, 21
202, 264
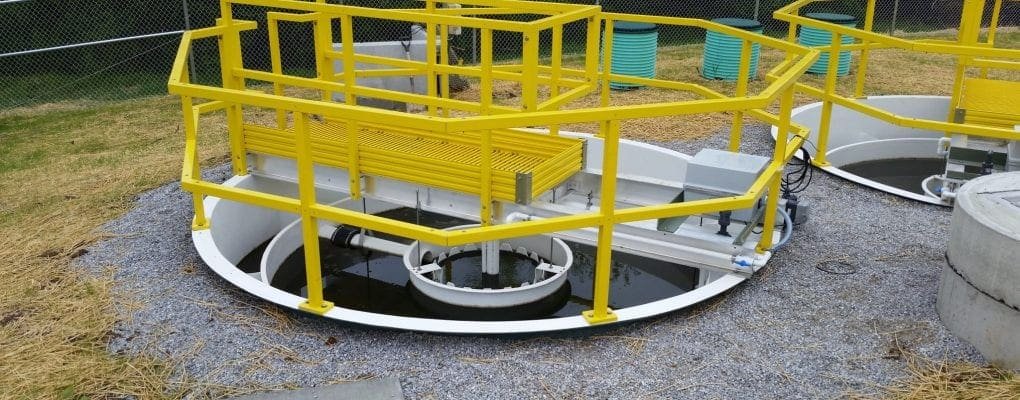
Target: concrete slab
374, 389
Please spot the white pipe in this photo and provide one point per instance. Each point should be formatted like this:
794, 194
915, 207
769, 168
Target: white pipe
326, 231
71, 46
924, 186
519, 217
787, 229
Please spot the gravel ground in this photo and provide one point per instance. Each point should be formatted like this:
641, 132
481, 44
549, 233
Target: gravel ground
792, 331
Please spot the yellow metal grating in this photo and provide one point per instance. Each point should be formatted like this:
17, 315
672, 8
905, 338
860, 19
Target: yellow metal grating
991, 102
447, 161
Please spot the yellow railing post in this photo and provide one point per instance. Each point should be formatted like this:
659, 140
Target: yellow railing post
530, 71
276, 61
607, 62
444, 59
791, 37
557, 72
485, 89
430, 57
309, 224
600, 312
191, 150
862, 65
830, 90
779, 156
591, 63
485, 176
993, 28
736, 131
324, 44
970, 29
769, 221
607, 70
354, 158
230, 58
350, 65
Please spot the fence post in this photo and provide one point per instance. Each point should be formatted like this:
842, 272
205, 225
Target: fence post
895, 14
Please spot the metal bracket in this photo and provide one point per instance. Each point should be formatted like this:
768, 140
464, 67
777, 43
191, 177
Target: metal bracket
522, 188
959, 115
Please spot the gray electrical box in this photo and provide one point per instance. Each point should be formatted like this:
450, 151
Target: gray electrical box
715, 173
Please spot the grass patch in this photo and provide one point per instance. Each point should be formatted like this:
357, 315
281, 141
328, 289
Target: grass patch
943, 379
66, 169
890, 72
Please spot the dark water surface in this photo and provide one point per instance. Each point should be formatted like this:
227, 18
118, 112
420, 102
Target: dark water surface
379, 283
901, 173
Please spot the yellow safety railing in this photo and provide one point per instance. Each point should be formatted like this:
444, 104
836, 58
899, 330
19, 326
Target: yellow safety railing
483, 120
970, 52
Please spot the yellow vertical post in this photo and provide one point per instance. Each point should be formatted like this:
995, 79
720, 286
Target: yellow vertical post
607, 62
993, 27
430, 57
791, 36
591, 50
485, 176
862, 65
230, 58
324, 43
970, 29
354, 158
191, 150
557, 65
607, 70
830, 89
485, 89
783, 134
530, 78
309, 225
276, 63
769, 221
772, 202
600, 312
736, 131
350, 66
444, 59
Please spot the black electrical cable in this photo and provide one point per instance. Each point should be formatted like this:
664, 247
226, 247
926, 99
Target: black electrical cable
799, 177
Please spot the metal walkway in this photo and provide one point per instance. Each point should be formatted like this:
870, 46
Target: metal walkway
524, 164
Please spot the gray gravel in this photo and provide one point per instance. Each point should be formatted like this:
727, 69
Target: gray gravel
792, 331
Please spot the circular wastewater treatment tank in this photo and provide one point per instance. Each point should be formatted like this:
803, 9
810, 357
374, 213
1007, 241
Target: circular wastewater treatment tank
260, 251
880, 155
979, 294
401, 286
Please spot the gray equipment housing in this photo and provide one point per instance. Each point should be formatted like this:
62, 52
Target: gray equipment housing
715, 173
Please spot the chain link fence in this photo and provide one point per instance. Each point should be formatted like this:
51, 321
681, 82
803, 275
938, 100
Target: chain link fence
120, 49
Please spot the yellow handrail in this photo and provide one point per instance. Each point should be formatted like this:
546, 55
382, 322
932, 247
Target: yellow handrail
969, 51
487, 117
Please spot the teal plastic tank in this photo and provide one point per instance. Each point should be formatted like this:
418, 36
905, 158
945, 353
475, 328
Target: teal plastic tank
813, 37
721, 59
635, 47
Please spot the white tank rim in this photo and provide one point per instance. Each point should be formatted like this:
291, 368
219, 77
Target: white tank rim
223, 267
839, 172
